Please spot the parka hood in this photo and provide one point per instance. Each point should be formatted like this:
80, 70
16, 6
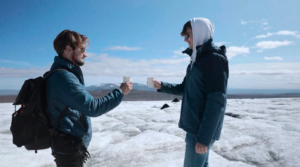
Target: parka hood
203, 30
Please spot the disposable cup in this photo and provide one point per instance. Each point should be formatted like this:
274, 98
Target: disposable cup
127, 79
150, 82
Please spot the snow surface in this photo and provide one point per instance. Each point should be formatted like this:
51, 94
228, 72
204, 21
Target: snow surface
264, 133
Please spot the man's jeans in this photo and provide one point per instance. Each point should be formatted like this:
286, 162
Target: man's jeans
192, 158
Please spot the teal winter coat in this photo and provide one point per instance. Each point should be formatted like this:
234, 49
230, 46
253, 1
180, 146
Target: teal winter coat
204, 91
67, 89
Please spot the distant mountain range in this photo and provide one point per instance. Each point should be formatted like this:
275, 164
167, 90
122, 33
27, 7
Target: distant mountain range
8, 92
142, 87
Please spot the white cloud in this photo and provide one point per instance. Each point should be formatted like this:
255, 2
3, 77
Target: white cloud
265, 72
18, 63
273, 58
264, 75
264, 36
221, 43
22, 72
265, 69
266, 28
111, 70
91, 54
272, 44
234, 51
126, 48
99, 57
105, 65
179, 53
284, 32
262, 22
295, 82
244, 22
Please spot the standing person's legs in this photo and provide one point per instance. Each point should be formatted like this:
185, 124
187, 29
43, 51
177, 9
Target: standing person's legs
193, 159
68, 150
68, 160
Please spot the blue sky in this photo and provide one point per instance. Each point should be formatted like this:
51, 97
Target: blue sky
142, 39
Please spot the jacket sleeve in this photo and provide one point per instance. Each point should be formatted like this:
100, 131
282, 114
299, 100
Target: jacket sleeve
175, 89
215, 79
74, 94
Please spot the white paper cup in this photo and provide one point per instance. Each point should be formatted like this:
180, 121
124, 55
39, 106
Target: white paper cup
127, 79
150, 82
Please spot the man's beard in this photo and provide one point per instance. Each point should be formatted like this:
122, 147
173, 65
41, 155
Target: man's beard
79, 63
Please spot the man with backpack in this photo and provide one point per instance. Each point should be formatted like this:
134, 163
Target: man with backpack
66, 92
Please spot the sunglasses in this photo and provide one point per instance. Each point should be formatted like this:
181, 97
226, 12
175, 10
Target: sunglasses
82, 50
186, 36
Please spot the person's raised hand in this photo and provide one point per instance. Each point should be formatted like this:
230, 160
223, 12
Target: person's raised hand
126, 87
157, 84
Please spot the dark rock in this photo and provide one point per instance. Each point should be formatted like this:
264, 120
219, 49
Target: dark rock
164, 106
175, 100
233, 115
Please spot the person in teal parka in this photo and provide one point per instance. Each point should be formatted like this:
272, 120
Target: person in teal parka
203, 90
66, 91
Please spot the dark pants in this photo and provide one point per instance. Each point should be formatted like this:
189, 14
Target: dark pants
69, 151
68, 160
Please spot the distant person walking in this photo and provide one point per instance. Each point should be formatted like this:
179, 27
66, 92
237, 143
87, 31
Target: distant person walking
203, 89
66, 93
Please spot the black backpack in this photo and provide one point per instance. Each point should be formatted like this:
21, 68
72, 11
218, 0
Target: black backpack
30, 125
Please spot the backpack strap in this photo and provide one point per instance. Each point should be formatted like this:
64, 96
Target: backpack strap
60, 117
49, 73
56, 127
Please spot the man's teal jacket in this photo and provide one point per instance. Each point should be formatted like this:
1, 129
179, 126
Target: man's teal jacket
204, 91
66, 89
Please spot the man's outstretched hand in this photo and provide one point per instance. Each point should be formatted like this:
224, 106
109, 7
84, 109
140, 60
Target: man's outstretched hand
126, 87
157, 84
200, 149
